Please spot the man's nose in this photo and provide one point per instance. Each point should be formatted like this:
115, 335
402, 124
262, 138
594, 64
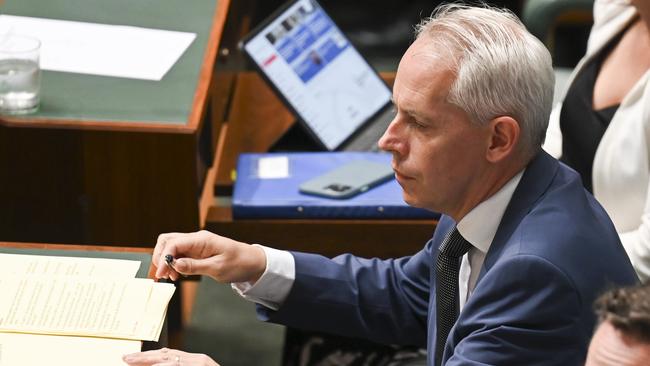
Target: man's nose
388, 139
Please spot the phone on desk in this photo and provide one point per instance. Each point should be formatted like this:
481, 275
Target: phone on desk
348, 180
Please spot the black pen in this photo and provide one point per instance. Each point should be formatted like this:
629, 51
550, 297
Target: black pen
169, 261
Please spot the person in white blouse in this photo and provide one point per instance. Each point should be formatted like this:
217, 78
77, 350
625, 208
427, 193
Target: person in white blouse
602, 127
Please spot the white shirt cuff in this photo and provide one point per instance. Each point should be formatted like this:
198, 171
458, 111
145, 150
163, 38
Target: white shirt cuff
274, 285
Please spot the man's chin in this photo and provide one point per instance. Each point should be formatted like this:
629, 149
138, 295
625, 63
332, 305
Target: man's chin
410, 200
413, 202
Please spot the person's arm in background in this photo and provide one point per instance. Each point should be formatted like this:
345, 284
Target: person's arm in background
637, 243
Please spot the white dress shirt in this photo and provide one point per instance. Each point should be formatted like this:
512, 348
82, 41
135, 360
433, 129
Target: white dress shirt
477, 227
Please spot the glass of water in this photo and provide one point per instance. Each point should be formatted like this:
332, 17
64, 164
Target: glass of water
20, 74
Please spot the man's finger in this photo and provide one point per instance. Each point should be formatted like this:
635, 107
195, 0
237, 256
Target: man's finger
161, 243
190, 266
146, 358
191, 245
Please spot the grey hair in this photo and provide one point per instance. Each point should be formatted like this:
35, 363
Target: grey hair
501, 69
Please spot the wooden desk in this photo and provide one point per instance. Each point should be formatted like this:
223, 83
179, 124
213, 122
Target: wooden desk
115, 161
256, 119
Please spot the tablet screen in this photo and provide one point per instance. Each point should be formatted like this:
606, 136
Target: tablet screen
316, 70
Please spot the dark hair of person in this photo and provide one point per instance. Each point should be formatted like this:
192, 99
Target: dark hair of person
628, 310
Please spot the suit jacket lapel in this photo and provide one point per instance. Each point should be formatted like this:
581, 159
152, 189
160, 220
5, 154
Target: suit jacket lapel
536, 179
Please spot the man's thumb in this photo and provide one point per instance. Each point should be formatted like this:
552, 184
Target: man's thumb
189, 266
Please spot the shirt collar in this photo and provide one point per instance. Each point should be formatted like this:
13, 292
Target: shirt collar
480, 224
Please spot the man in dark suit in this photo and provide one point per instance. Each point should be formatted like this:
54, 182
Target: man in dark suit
520, 253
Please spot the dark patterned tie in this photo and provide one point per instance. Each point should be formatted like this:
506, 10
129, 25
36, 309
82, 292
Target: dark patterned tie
447, 265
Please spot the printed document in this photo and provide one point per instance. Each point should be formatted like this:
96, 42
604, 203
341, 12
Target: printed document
76, 311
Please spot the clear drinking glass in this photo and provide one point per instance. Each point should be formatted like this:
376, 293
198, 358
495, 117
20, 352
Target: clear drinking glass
20, 74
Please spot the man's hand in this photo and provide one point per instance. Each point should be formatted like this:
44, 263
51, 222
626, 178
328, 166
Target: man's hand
205, 253
171, 357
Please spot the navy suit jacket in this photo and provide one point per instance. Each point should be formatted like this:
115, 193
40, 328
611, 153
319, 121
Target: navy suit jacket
554, 252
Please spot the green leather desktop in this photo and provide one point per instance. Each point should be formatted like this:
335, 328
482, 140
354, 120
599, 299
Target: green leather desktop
109, 99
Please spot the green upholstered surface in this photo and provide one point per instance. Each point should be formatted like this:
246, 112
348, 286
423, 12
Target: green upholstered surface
144, 258
96, 98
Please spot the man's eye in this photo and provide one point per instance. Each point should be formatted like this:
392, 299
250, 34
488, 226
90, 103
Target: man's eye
417, 124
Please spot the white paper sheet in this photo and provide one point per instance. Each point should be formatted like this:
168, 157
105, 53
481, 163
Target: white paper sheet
39, 350
273, 167
44, 265
85, 306
99, 49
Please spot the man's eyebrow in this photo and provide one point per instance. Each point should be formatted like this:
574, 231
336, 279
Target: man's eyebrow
392, 100
415, 115
411, 113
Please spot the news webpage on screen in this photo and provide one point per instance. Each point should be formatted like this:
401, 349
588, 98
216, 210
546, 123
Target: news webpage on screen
325, 79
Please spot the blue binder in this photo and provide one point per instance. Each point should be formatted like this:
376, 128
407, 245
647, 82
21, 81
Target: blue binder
279, 198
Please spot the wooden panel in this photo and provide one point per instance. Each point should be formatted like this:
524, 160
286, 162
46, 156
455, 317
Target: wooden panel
91, 187
366, 238
139, 185
41, 185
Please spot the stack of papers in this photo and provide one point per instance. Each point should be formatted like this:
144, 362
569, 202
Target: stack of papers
76, 311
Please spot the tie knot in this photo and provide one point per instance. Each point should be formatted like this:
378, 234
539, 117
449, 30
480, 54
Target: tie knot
455, 245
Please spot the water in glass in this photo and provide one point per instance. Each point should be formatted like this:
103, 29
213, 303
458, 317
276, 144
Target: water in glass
19, 85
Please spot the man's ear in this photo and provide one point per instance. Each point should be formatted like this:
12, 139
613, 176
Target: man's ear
504, 138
